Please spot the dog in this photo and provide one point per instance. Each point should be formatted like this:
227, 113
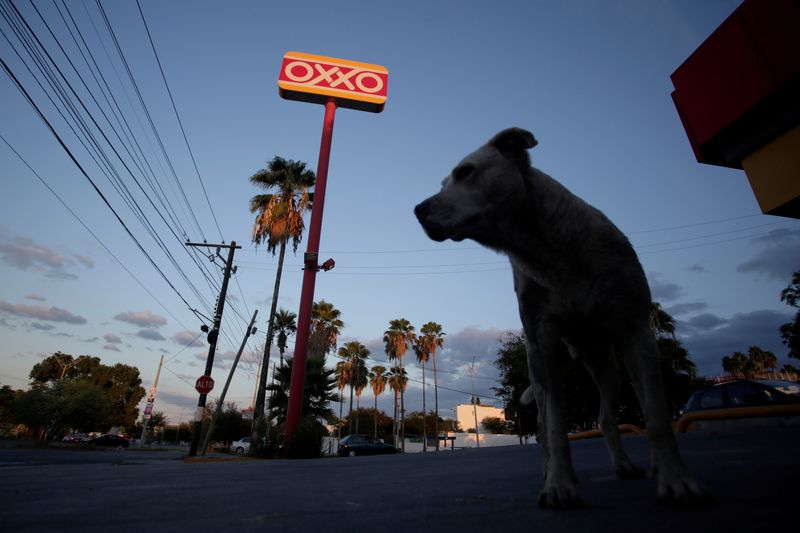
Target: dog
581, 291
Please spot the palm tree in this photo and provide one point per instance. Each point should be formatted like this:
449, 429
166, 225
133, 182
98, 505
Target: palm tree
661, 322
432, 338
325, 328
342, 377
422, 358
319, 390
360, 382
353, 355
398, 381
285, 326
279, 217
397, 339
377, 380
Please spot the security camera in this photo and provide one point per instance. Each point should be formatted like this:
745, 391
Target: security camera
328, 265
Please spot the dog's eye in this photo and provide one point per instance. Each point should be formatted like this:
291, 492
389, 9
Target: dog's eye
462, 171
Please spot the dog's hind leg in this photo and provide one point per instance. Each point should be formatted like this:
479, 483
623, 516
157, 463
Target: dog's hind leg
604, 372
675, 484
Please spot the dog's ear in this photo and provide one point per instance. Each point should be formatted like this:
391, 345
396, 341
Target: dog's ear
513, 142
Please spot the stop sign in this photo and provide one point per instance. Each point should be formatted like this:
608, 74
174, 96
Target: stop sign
204, 384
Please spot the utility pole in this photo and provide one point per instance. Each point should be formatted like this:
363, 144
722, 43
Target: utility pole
148, 410
213, 334
474, 402
250, 330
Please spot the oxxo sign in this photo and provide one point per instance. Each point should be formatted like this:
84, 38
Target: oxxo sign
317, 79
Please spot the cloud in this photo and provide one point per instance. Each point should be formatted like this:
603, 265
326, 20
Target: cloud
145, 319
112, 339
92, 339
88, 262
188, 338
150, 334
778, 256
704, 322
709, 339
52, 314
43, 327
686, 307
697, 269
37, 297
662, 291
111, 347
24, 254
222, 360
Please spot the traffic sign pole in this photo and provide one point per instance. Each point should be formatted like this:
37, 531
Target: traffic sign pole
309, 278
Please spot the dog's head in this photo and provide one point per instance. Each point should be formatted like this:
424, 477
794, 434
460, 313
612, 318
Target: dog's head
480, 189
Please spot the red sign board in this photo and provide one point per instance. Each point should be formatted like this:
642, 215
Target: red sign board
204, 384
318, 79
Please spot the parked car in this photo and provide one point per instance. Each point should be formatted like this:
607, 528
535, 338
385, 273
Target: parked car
76, 438
110, 440
743, 393
241, 445
353, 445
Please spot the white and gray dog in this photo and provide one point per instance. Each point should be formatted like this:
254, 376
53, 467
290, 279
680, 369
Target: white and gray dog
581, 291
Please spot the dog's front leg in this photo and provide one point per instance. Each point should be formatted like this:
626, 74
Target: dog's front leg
560, 484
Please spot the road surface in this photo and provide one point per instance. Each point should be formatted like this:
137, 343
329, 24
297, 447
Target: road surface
754, 475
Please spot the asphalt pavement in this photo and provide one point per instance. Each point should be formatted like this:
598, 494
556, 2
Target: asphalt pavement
754, 475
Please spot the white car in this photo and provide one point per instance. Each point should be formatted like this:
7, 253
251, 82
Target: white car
241, 445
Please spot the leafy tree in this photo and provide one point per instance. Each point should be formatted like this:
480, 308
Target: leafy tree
7, 397
494, 425
65, 404
120, 382
230, 424
377, 380
790, 332
367, 416
397, 339
418, 423
63, 366
279, 217
431, 339
513, 364
319, 390
791, 369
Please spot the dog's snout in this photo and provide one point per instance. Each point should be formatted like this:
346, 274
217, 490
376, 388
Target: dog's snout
420, 210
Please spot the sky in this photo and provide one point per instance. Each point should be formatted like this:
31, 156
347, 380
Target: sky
591, 80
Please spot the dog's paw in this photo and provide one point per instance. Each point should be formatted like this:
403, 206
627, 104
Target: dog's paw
563, 496
628, 470
682, 489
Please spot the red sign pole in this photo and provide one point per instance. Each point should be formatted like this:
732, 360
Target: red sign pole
296, 392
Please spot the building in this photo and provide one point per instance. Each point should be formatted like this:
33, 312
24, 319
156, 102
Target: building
466, 414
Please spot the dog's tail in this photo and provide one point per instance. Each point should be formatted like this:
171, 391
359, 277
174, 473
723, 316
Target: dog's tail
527, 397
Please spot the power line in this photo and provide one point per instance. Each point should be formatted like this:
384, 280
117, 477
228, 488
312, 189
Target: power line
47, 123
174, 107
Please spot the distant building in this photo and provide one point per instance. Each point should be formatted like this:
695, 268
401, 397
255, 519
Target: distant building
466, 414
